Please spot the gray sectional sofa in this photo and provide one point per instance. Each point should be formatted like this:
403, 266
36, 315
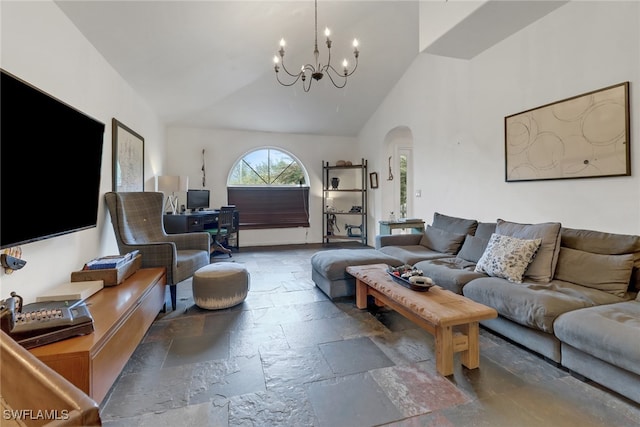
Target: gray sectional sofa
569, 295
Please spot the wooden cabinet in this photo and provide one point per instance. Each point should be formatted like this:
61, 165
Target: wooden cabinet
121, 316
344, 202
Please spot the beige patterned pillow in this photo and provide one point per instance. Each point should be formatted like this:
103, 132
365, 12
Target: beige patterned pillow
507, 257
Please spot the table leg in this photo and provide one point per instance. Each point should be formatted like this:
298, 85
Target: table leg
361, 294
444, 350
471, 357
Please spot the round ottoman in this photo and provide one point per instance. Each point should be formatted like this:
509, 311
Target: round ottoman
220, 285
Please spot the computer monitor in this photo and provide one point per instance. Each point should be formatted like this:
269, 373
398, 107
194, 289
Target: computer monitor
197, 200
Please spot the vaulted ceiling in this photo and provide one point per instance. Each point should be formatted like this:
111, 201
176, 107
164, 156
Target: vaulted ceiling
208, 64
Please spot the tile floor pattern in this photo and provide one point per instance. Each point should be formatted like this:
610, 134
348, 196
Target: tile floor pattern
289, 356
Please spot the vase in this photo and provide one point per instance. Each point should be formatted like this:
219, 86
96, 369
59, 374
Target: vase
335, 181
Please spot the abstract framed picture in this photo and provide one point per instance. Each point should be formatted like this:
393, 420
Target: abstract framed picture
585, 136
128, 158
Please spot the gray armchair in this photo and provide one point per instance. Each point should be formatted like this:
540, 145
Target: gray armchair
137, 221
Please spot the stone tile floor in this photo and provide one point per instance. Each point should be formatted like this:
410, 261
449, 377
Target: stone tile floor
289, 356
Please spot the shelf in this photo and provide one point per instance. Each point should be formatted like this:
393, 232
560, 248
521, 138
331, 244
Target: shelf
354, 179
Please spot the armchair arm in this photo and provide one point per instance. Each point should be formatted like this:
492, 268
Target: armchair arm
397, 240
194, 241
155, 254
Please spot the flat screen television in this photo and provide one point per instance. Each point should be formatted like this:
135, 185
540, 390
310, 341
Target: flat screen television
50, 165
197, 199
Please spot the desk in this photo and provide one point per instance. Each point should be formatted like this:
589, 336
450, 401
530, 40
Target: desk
415, 224
200, 221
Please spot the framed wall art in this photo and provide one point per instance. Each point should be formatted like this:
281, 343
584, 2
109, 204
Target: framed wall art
128, 158
373, 179
580, 137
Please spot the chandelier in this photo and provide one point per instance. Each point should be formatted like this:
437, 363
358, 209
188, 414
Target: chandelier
316, 70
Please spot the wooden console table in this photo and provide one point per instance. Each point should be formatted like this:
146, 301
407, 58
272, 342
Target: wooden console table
121, 316
452, 319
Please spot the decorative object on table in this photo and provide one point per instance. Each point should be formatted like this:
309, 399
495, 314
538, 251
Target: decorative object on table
583, 136
335, 181
317, 71
341, 163
128, 158
410, 277
348, 163
109, 276
390, 178
355, 209
109, 261
373, 179
169, 185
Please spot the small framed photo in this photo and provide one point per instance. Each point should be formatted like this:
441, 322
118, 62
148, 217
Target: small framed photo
373, 179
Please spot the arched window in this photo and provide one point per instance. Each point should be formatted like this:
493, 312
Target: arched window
269, 188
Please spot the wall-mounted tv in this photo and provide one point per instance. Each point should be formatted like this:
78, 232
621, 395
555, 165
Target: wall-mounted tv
50, 165
197, 199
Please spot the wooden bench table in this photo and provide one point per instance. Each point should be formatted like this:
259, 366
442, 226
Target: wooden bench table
451, 318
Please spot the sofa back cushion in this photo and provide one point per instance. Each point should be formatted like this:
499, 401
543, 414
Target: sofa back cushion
606, 244
608, 273
544, 264
454, 224
485, 230
442, 241
472, 248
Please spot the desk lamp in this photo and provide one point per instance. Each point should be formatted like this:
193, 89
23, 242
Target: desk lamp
169, 185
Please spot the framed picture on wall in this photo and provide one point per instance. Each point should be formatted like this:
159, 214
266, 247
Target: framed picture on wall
128, 158
373, 179
580, 137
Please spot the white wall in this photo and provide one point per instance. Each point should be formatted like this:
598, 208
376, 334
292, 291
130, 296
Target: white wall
223, 148
41, 46
456, 108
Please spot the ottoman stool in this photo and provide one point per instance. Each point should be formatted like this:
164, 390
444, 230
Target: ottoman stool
329, 268
220, 285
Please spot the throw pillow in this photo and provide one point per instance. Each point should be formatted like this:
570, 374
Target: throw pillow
472, 248
454, 224
544, 265
441, 240
507, 257
608, 273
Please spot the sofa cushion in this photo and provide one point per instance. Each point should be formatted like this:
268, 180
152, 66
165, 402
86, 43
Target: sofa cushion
614, 340
449, 273
607, 244
485, 230
454, 224
443, 241
472, 248
507, 257
536, 305
609, 273
544, 264
332, 264
411, 254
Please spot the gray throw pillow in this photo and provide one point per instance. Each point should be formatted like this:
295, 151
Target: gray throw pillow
543, 266
441, 240
507, 257
608, 273
472, 248
454, 224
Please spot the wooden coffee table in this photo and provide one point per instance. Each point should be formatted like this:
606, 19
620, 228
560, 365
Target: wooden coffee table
451, 318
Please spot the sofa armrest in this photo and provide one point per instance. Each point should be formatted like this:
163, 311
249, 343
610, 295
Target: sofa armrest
397, 240
193, 241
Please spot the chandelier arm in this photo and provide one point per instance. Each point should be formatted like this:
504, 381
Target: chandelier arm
338, 75
289, 84
287, 71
